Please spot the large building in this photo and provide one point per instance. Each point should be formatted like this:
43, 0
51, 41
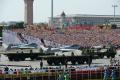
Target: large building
64, 20
28, 17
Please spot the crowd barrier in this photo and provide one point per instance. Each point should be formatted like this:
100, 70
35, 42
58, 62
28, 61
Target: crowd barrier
63, 74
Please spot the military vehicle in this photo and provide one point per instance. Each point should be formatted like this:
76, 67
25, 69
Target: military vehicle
84, 55
100, 51
75, 57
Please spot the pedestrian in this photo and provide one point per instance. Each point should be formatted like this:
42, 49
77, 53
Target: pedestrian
113, 75
41, 64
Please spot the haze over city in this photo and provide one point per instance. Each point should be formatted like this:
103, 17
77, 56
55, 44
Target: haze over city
14, 10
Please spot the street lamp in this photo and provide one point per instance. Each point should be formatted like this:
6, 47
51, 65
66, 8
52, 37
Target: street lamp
114, 6
51, 12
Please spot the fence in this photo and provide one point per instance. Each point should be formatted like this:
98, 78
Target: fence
63, 74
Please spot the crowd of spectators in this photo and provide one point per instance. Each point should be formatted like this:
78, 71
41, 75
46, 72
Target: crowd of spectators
85, 38
7, 70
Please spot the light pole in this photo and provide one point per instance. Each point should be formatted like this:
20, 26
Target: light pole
52, 13
114, 6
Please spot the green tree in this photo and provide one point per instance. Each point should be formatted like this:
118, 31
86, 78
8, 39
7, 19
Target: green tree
20, 25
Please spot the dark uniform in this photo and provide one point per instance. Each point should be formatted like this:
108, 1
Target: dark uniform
41, 64
6, 69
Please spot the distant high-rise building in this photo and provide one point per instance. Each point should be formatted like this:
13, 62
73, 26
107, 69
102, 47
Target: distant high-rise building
64, 20
28, 12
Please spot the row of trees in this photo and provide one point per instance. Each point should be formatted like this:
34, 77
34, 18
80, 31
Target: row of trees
12, 25
16, 25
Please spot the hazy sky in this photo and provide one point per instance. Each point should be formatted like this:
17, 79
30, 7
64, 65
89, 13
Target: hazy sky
13, 10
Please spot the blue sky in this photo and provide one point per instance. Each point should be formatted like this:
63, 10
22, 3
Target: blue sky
13, 10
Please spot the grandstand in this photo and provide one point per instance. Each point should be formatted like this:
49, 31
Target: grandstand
10, 37
84, 37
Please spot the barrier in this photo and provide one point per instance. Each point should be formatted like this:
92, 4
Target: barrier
70, 74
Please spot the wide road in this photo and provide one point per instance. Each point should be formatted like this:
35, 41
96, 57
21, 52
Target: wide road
36, 64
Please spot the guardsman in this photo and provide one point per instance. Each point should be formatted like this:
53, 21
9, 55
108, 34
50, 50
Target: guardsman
41, 64
113, 75
6, 69
66, 64
89, 60
106, 74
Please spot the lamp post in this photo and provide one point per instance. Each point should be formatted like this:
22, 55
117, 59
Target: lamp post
114, 6
51, 12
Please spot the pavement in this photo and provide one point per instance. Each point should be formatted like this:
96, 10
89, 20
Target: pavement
36, 64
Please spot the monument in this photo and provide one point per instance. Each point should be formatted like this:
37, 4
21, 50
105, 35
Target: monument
28, 17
